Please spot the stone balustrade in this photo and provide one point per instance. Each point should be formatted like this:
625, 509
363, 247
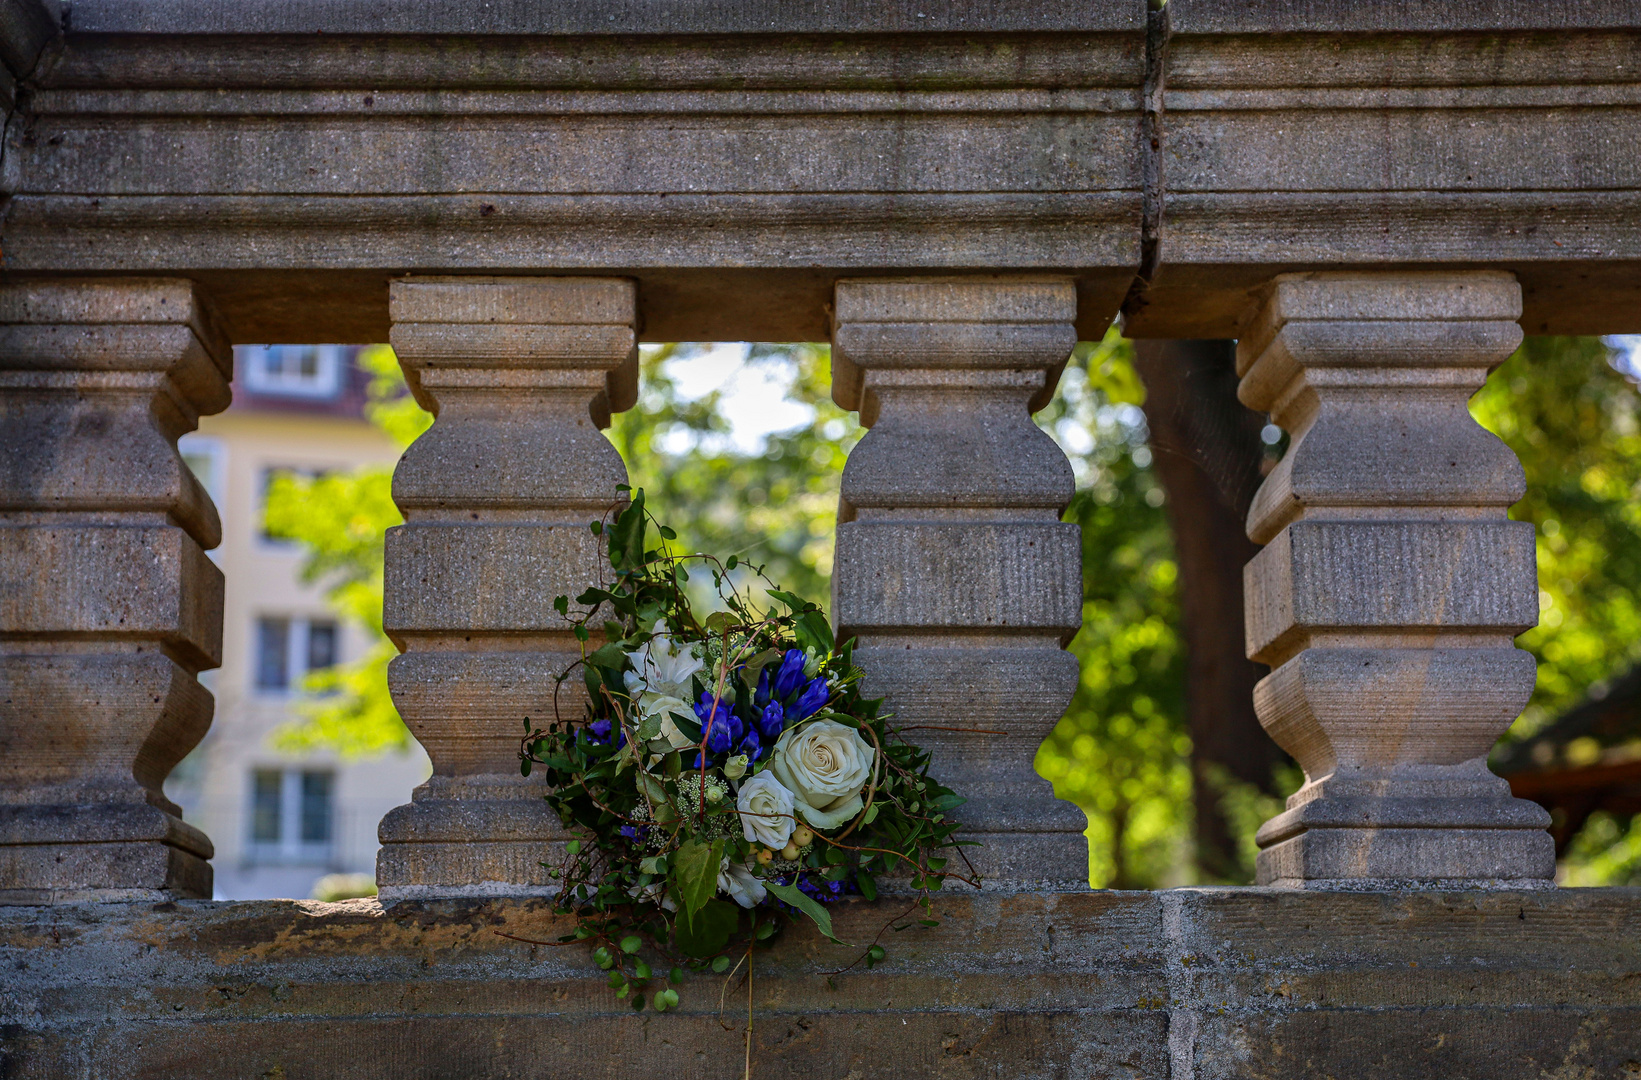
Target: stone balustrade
1391, 582
953, 569
108, 606
520, 374
1376, 202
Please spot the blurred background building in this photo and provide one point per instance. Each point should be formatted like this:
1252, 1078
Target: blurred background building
282, 819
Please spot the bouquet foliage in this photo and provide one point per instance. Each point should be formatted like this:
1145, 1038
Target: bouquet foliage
728, 775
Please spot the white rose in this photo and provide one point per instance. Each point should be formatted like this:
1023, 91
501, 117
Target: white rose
662, 667
739, 885
766, 811
825, 765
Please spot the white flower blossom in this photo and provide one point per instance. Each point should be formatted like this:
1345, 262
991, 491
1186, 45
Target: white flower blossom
766, 811
659, 685
662, 667
825, 766
737, 883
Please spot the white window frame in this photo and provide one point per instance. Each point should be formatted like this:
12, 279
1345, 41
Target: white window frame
325, 383
290, 848
296, 655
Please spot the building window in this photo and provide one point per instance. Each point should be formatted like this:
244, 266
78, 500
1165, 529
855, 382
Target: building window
292, 815
288, 649
305, 371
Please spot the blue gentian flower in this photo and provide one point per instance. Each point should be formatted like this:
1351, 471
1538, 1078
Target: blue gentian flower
599, 733
791, 674
771, 721
760, 697
722, 728
751, 745
809, 702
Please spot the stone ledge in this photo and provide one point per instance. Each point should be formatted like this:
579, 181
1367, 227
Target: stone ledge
1195, 982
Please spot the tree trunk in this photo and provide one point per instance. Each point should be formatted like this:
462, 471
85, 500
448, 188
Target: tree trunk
1208, 456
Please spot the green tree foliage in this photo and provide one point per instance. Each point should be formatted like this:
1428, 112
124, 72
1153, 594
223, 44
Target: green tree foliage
1570, 410
1574, 419
1121, 750
776, 508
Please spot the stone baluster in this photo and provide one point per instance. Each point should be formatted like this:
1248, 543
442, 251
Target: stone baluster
520, 373
953, 568
109, 607
1392, 583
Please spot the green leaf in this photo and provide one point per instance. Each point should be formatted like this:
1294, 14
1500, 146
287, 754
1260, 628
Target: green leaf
676, 975
813, 632
868, 885
652, 788
794, 604
756, 664
791, 894
708, 931
573, 848
720, 964
653, 864
695, 871
627, 534
641, 970
631, 944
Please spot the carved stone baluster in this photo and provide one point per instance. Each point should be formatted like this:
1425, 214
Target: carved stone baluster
109, 607
1392, 583
521, 374
953, 568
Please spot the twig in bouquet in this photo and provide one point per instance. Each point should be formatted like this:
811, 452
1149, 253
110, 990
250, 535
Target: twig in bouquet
938, 727
871, 787
749, 946
885, 929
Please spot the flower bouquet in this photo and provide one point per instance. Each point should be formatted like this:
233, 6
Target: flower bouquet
728, 775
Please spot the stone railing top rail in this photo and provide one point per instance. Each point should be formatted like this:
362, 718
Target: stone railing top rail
737, 157
828, 17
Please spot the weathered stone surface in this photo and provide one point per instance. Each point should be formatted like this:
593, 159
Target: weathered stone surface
108, 605
1378, 135
1190, 983
737, 157
497, 496
1392, 583
952, 567
733, 172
